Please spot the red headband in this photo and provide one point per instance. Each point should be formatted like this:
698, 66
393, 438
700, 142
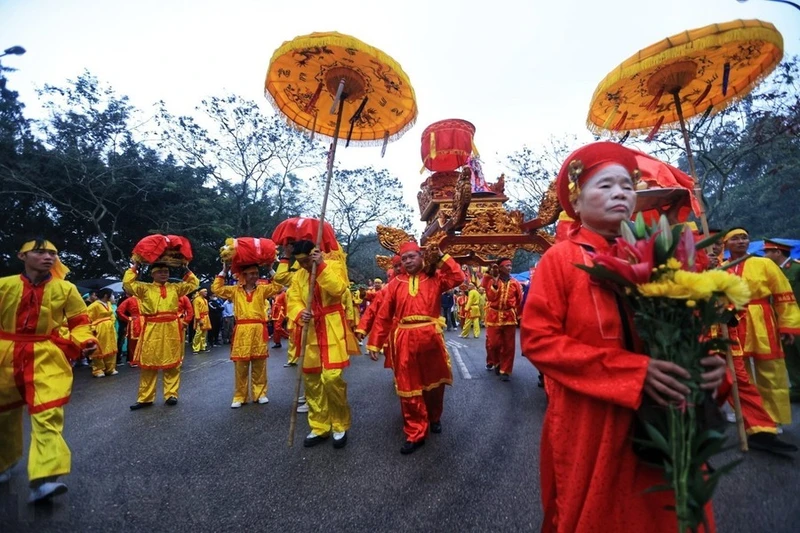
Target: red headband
505, 262
409, 246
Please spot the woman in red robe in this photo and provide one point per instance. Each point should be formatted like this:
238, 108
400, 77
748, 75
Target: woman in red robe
573, 332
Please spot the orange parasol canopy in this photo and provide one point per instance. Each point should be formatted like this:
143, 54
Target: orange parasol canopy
707, 67
304, 76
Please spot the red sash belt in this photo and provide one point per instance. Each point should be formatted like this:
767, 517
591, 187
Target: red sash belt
161, 317
101, 321
265, 334
760, 301
335, 308
71, 351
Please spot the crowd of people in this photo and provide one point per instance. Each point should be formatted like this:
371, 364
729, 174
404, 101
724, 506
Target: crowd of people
573, 330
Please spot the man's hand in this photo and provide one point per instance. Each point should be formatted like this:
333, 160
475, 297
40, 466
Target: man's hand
90, 348
373, 355
305, 316
359, 336
315, 256
660, 384
715, 372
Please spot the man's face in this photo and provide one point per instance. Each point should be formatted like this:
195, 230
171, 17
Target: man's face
305, 262
39, 261
738, 244
505, 269
775, 255
251, 278
412, 262
161, 275
378, 285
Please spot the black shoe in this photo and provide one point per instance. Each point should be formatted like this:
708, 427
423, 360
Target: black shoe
172, 400
436, 427
489, 367
540, 381
497, 370
769, 442
277, 346
410, 447
140, 405
310, 441
505, 377
340, 443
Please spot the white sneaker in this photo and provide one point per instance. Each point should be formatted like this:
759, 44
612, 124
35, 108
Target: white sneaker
779, 430
98, 375
263, 400
301, 399
114, 373
731, 417
337, 435
46, 490
302, 408
236, 405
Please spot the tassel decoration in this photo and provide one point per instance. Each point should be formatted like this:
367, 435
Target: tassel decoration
618, 125
703, 95
655, 129
339, 91
726, 76
654, 102
625, 137
474, 148
314, 126
611, 116
433, 146
313, 102
386, 143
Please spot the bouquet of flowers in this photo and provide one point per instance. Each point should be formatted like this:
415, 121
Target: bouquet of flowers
676, 310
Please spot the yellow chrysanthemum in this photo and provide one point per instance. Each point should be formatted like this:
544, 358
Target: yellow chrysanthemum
699, 286
674, 264
735, 289
226, 252
664, 289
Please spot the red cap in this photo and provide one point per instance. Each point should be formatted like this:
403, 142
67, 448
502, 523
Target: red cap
585, 162
409, 246
396, 260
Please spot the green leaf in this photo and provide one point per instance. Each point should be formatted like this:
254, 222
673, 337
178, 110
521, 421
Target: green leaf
659, 442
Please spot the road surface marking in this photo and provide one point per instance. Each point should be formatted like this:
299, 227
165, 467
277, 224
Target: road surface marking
457, 355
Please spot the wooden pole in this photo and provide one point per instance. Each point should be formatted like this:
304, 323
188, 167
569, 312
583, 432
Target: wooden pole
737, 406
313, 277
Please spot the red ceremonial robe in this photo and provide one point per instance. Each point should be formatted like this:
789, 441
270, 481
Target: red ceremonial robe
368, 320
410, 313
503, 306
572, 331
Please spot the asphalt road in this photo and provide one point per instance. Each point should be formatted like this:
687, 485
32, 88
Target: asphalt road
201, 466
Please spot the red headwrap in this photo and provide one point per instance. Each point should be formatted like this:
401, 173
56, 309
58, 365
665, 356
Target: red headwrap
409, 246
585, 162
396, 261
505, 262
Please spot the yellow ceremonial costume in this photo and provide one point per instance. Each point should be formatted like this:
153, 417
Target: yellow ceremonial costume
328, 347
34, 367
283, 276
771, 312
250, 340
104, 324
473, 314
160, 346
202, 323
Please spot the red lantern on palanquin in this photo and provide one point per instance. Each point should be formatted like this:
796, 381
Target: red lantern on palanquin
447, 144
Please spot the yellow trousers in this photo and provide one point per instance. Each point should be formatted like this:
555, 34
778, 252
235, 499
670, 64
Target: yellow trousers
476, 327
200, 341
326, 396
256, 372
104, 365
147, 384
291, 351
48, 454
772, 381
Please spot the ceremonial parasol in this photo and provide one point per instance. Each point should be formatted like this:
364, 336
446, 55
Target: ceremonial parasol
317, 80
695, 72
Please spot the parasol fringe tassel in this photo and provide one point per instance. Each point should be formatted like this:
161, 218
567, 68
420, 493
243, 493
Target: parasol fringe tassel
313, 102
618, 125
726, 76
654, 102
655, 129
359, 142
356, 116
386, 143
703, 94
673, 124
314, 127
339, 91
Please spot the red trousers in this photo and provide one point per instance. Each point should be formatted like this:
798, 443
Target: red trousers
500, 344
419, 411
278, 332
756, 418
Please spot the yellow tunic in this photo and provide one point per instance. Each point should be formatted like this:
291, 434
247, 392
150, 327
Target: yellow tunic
202, 321
250, 335
328, 329
104, 326
34, 368
473, 304
160, 346
772, 309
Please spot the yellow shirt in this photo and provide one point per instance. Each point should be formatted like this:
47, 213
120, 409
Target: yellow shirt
250, 336
104, 326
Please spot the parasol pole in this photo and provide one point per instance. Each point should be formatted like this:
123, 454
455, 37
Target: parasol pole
340, 98
737, 406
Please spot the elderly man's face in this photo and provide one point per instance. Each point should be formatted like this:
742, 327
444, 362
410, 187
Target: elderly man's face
412, 262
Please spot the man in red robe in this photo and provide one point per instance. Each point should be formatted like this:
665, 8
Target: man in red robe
421, 362
503, 306
129, 314
278, 318
367, 320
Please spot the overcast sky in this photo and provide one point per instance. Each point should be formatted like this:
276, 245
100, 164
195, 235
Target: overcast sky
520, 70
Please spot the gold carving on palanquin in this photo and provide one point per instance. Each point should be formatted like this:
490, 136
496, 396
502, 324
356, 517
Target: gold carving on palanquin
392, 238
549, 208
384, 262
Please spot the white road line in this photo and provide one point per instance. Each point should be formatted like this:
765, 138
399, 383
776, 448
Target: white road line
457, 355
